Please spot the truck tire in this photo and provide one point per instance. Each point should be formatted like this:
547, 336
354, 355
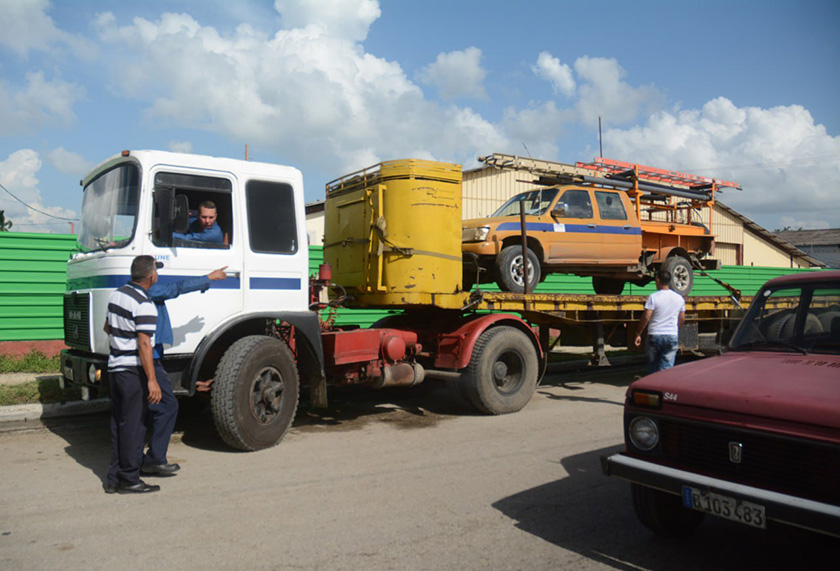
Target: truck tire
664, 513
255, 393
607, 286
682, 275
503, 371
510, 273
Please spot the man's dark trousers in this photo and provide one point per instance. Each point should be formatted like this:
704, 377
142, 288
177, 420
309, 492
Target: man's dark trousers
162, 418
128, 430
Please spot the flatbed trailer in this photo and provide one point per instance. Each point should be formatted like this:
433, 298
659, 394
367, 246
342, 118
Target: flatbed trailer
595, 320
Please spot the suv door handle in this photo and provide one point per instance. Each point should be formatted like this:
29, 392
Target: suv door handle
592, 226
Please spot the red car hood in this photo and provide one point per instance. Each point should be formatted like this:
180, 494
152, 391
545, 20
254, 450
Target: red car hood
787, 386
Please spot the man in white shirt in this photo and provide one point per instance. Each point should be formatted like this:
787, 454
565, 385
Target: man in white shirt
664, 314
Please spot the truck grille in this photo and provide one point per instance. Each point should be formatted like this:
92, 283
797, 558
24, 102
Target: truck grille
77, 320
798, 467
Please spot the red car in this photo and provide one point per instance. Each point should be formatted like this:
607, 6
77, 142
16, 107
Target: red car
752, 435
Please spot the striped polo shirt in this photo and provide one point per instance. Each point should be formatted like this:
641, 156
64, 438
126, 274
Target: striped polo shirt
130, 311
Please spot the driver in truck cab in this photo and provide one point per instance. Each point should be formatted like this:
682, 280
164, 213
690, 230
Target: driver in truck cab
204, 227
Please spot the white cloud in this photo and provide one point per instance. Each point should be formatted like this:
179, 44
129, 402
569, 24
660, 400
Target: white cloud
28, 27
559, 75
602, 92
457, 74
345, 19
598, 89
42, 102
786, 163
313, 97
18, 174
180, 146
69, 162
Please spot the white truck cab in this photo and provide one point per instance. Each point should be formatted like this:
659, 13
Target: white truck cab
132, 204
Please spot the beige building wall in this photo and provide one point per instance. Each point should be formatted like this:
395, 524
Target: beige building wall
758, 252
315, 228
485, 190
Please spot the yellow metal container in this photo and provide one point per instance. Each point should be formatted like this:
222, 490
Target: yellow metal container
393, 234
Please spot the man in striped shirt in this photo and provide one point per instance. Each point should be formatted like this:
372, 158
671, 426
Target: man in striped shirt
130, 324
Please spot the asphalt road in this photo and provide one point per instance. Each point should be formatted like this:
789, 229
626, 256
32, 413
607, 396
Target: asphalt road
386, 480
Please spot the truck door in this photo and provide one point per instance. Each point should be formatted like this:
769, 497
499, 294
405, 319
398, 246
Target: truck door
620, 233
276, 269
575, 237
194, 315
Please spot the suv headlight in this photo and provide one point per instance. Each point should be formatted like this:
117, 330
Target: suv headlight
643, 433
478, 234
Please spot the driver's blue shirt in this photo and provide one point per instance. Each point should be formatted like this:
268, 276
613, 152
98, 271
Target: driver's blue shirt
198, 233
159, 293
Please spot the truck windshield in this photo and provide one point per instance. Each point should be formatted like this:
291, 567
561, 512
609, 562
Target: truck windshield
536, 203
109, 209
804, 319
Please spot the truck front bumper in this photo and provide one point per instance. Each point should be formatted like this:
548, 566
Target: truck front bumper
86, 370
782, 508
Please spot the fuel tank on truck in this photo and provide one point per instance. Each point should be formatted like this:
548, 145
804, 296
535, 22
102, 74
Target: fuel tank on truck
393, 234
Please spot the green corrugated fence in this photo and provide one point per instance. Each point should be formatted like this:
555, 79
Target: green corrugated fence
33, 272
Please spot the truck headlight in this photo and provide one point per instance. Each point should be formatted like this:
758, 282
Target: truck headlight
643, 433
478, 234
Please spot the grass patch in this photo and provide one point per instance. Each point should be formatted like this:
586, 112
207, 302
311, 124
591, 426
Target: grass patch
39, 391
32, 362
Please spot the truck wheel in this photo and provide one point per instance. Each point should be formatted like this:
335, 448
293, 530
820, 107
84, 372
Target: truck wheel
255, 394
664, 513
503, 371
607, 286
510, 272
682, 276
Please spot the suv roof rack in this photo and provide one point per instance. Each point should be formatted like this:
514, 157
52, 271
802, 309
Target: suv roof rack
655, 179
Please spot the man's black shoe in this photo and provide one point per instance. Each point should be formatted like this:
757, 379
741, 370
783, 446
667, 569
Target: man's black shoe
109, 488
140, 487
160, 469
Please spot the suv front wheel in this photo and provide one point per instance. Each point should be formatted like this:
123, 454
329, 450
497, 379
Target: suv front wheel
510, 272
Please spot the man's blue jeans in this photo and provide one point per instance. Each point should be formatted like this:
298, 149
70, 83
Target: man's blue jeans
661, 352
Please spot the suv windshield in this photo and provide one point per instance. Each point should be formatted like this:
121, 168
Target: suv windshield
536, 203
109, 209
800, 318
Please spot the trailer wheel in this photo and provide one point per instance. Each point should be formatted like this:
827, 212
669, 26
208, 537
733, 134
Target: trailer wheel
664, 513
503, 371
510, 272
255, 394
607, 286
682, 276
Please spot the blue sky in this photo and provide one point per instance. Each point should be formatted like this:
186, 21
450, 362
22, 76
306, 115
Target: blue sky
743, 91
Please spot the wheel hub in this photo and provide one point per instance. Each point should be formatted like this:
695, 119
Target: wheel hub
266, 394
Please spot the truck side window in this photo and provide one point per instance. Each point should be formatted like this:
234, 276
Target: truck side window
199, 190
578, 204
610, 206
271, 217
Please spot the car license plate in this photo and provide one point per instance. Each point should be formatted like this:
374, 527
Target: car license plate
747, 513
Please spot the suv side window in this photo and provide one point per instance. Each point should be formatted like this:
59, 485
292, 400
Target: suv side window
271, 217
578, 204
610, 206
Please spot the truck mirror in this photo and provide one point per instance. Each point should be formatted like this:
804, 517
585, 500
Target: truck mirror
181, 214
559, 210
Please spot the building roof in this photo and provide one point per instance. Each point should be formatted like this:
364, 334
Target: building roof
827, 237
